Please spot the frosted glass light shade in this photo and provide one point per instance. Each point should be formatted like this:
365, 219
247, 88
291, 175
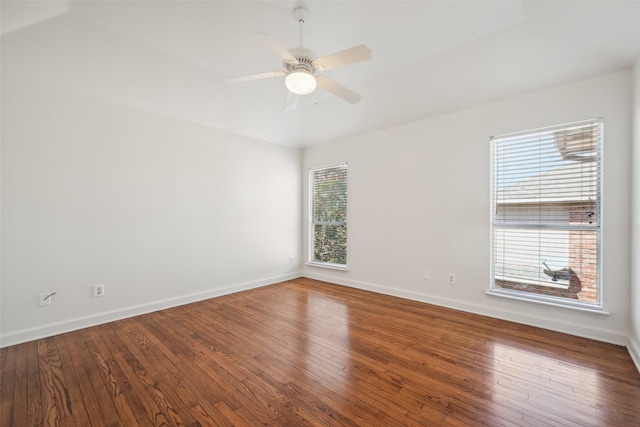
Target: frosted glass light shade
300, 82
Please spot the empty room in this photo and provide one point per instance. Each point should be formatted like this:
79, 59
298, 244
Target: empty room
319, 213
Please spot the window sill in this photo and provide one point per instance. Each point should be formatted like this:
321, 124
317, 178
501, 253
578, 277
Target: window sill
564, 285
328, 265
547, 302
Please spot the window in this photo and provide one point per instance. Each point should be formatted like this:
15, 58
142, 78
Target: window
328, 216
546, 192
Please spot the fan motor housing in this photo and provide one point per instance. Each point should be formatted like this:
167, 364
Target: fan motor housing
304, 64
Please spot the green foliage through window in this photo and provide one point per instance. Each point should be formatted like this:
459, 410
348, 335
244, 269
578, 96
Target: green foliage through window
328, 215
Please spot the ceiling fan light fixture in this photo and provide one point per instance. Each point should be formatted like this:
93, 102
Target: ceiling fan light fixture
301, 82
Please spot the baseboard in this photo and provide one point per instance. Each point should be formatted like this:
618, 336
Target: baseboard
609, 336
634, 352
26, 335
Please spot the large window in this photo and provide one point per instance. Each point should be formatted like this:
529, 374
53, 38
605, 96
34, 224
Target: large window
328, 216
546, 192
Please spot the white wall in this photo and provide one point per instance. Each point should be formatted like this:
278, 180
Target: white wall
419, 199
634, 342
165, 212
159, 210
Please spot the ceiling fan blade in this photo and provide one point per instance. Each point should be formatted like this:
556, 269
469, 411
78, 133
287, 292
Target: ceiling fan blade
291, 101
345, 57
338, 90
274, 46
258, 76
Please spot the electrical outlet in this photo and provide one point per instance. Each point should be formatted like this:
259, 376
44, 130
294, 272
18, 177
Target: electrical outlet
426, 274
452, 279
98, 291
46, 298
291, 259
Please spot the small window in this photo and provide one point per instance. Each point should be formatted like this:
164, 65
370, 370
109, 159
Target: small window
546, 192
328, 216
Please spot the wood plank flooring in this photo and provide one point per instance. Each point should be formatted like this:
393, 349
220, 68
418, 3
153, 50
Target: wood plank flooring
308, 353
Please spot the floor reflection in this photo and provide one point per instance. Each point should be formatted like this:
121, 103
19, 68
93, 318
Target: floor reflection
327, 345
526, 380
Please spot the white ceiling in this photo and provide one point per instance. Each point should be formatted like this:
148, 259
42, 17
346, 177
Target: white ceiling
429, 57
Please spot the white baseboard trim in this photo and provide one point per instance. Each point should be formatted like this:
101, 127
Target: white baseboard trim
634, 352
609, 336
30, 334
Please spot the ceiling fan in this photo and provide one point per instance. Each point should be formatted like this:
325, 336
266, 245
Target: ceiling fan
301, 69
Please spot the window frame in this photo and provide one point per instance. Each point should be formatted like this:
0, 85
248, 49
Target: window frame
526, 224
312, 223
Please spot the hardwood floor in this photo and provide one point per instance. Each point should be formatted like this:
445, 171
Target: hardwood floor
307, 353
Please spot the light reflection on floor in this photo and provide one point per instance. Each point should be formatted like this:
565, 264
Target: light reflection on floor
328, 348
524, 380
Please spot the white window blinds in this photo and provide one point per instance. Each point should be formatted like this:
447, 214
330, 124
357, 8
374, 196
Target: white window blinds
328, 215
546, 192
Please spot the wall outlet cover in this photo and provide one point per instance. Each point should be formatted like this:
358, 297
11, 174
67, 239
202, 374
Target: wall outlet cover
98, 291
46, 298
